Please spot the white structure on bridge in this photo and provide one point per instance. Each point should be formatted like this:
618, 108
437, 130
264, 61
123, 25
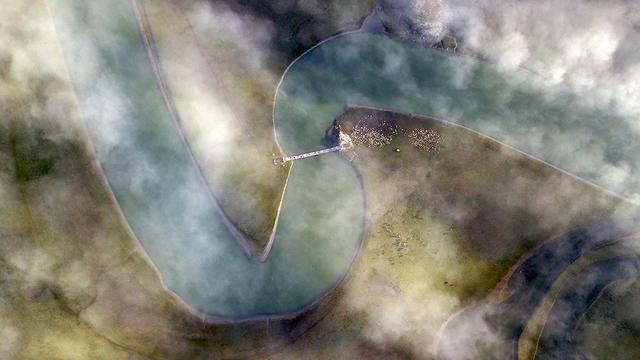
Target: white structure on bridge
345, 143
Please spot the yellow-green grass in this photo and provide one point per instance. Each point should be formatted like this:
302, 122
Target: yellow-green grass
466, 214
74, 282
529, 340
67, 237
71, 267
609, 329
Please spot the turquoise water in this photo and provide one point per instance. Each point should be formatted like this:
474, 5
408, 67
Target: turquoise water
166, 203
164, 200
575, 132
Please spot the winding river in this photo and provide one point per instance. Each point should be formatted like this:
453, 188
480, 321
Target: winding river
573, 302
530, 282
165, 201
168, 206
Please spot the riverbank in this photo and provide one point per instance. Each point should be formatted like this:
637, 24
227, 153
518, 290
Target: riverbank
444, 228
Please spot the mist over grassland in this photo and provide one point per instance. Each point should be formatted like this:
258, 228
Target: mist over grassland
589, 46
223, 61
556, 40
49, 238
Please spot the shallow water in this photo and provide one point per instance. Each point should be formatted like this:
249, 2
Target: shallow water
164, 200
166, 203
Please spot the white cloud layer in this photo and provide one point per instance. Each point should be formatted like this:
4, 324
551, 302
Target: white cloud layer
588, 46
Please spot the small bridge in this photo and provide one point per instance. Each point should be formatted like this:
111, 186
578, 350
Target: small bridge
344, 144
